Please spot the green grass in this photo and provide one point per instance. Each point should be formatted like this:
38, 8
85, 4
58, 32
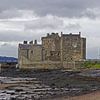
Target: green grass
97, 66
91, 64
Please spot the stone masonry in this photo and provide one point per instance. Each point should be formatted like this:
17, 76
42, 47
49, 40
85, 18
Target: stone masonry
51, 47
55, 48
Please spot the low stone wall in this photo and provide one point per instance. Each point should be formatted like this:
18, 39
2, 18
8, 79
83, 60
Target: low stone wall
73, 65
52, 65
42, 65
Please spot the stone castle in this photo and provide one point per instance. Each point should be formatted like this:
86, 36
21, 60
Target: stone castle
54, 52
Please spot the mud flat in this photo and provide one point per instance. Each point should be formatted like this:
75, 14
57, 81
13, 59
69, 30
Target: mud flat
90, 96
42, 85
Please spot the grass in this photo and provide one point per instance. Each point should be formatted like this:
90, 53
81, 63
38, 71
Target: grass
91, 64
97, 66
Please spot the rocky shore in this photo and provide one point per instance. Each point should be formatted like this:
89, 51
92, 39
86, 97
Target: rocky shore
49, 84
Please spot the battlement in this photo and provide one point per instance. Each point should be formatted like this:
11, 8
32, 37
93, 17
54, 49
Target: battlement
29, 43
52, 35
71, 35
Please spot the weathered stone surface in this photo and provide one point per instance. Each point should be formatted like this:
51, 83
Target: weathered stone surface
54, 51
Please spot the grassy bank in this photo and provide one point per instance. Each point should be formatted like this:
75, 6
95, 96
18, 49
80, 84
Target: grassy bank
91, 64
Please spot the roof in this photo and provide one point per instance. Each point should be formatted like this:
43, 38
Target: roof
28, 46
24, 46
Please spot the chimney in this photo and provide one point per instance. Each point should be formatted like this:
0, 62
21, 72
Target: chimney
35, 42
56, 33
80, 33
48, 34
61, 33
25, 42
70, 33
53, 33
31, 42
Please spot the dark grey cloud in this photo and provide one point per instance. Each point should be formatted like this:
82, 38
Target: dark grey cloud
92, 13
31, 19
17, 36
67, 8
10, 13
47, 22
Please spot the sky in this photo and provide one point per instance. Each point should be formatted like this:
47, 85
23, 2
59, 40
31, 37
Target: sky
31, 19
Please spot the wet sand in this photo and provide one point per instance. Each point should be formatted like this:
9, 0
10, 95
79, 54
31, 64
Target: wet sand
91, 96
3, 86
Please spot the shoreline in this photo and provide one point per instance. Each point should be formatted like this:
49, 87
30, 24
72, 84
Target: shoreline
94, 95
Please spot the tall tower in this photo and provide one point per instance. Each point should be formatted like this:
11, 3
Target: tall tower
51, 47
73, 47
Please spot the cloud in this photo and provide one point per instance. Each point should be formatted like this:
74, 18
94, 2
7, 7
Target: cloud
31, 19
92, 13
72, 26
8, 49
49, 21
15, 14
30, 27
66, 8
93, 53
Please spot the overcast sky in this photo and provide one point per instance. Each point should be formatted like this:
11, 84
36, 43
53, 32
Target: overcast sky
30, 19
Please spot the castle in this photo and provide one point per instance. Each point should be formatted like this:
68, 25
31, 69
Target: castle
54, 51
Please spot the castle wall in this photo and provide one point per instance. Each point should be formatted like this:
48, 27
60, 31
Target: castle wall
42, 65
35, 53
52, 65
55, 52
83, 48
28, 53
71, 47
51, 47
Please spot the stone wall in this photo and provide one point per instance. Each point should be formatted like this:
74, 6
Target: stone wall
74, 65
35, 53
71, 47
51, 47
68, 47
42, 65
29, 53
65, 49
52, 65
83, 48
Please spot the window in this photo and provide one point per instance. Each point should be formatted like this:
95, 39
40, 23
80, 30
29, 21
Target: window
31, 51
71, 58
58, 54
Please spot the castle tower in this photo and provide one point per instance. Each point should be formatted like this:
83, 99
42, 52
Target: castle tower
51, 47
73, 47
